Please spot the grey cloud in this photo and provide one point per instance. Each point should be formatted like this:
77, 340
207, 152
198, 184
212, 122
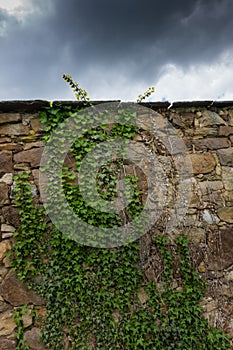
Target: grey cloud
137, 38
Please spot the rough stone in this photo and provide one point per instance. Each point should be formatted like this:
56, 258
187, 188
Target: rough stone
7, 228
5, 139
217, 261
7, 323
226, 156
27, 318
11, 147
32, 156
11, 215
4, 247
36, 125
4, 307
211, 143
205, 132
6, 164
207, 187
4, 192
7, 178
227, 177
7, 344
225, 130
23, 296
203, 163
209, 118
33, 145
226, 214
32, 338
184, 120
228, 196
14, 129
9, 118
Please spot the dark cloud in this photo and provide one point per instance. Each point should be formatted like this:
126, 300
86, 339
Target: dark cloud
135, 38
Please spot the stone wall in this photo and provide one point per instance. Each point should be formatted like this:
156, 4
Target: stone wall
207, 130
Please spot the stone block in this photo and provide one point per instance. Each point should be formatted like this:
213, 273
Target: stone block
226, 156
211, 143
7, 323
203, 163
17, 293
7, 178
7, 344
32, 156
207, 187
227, 177
6, 164
4, 247
11, 215
9, 118
225, 130
210, 118
11, 146
33, 339
4, 192
226, 214
14, 129
217, 260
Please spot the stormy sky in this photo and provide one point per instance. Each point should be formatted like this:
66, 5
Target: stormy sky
117, 49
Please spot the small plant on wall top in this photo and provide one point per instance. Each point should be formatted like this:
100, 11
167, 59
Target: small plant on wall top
94, 295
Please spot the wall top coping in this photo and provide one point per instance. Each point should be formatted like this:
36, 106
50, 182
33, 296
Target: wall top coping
25, 106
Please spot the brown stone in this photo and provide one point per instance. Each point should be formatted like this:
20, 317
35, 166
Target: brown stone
4, 191
227, 177
226, 156
24, 295
32, 156
36, 124
210, 118
4, 307
185, 119
14, 129
226, 214
203, 163
11, 147
32, 338
225, 130
207, 187
228, 196
33, 145
4, 139
219, 260
211, 143
7, 323
7, 344
231, 138
205, 132
11, 215
4, 247
9, 117
6, 165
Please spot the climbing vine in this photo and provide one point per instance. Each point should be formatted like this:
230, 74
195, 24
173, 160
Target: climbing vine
92, 294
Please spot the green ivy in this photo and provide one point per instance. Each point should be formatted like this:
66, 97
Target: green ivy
91, 294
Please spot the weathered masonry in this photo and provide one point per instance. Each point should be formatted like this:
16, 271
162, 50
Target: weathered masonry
206, 128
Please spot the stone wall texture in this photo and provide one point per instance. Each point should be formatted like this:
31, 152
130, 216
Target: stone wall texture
207, 130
